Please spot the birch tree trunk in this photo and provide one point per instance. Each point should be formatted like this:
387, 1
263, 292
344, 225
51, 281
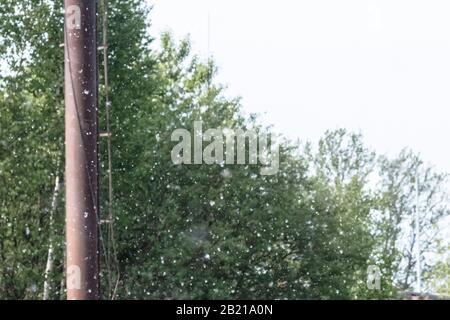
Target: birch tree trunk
50, 256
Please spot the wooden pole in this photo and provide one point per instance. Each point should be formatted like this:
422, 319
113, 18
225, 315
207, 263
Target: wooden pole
81, 134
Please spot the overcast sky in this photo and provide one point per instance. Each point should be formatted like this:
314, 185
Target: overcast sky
378, 67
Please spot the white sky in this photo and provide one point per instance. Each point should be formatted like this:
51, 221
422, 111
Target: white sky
379, 67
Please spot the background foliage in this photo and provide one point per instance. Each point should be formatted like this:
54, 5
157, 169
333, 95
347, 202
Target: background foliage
311, 231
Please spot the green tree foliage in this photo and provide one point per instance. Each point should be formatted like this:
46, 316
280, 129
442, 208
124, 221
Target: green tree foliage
439, 275
31, 139
193, 231
407, 185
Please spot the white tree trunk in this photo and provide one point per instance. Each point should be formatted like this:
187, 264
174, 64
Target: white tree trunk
50, 256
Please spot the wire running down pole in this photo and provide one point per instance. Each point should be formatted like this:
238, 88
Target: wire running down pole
110, 247
81, 136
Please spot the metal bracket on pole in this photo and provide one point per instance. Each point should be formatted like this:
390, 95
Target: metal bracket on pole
105, 134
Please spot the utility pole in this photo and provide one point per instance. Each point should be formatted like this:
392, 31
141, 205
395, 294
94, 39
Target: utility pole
81, 136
